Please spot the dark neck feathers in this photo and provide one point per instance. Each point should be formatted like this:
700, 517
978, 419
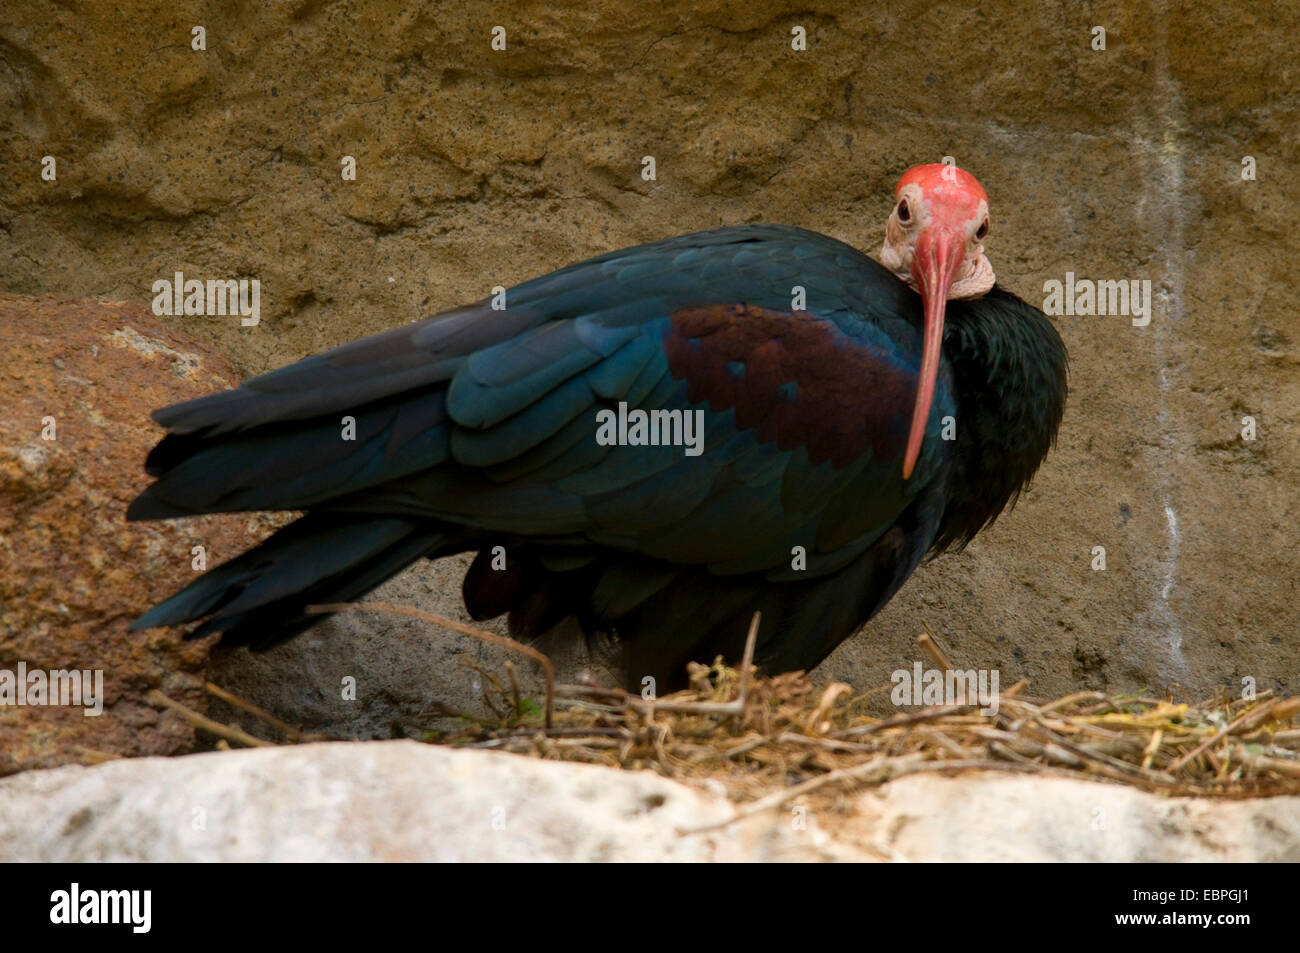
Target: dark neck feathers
1009, 370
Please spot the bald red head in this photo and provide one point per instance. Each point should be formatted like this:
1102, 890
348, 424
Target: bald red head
933, 241
939, 176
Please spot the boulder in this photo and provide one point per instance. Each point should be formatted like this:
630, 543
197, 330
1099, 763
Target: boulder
402, 674
79, 381
401, 800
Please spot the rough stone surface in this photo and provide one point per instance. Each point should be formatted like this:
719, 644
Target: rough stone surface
73, 572
478, 168
993, 817
400, 800
407, 674
368, 801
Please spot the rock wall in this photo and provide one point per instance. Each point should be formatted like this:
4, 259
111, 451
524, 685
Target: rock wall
478, 167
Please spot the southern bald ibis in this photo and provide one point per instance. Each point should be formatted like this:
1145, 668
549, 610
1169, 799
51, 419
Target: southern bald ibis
894, 414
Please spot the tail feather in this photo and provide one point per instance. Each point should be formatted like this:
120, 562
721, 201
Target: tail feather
259, 598
293, 466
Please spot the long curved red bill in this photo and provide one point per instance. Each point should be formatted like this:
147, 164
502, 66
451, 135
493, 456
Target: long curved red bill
937, 255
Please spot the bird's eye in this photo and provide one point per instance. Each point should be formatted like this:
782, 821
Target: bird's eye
904, 213
982, 230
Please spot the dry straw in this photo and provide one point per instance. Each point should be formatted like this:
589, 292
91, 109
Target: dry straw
769, 740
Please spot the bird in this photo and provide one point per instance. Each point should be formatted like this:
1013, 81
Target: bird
819, 422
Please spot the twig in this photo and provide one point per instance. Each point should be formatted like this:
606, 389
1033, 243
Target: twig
817, 723
747, 661
1071, 699
95, 756
931, 645
1112, 767
514, 689
927, 714
291, 733
229, 732
747, 746
1259, 762
1017, 688
1254, 713
879, 768
643, 707
1153, 746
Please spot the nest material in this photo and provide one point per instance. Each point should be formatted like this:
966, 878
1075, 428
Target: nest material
768, 740
785, 734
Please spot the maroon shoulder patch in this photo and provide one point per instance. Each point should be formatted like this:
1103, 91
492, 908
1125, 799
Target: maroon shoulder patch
793, 378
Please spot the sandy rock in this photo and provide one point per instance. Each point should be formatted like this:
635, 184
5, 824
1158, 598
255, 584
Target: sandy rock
73, 572
399, 800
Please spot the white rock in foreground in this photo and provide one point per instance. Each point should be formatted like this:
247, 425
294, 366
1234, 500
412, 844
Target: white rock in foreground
400, 800
1000, 817
389, 800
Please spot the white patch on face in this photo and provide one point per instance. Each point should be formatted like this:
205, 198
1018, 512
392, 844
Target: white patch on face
975, 279
974, 276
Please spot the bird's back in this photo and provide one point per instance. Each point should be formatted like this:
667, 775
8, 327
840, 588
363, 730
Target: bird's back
775, 369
